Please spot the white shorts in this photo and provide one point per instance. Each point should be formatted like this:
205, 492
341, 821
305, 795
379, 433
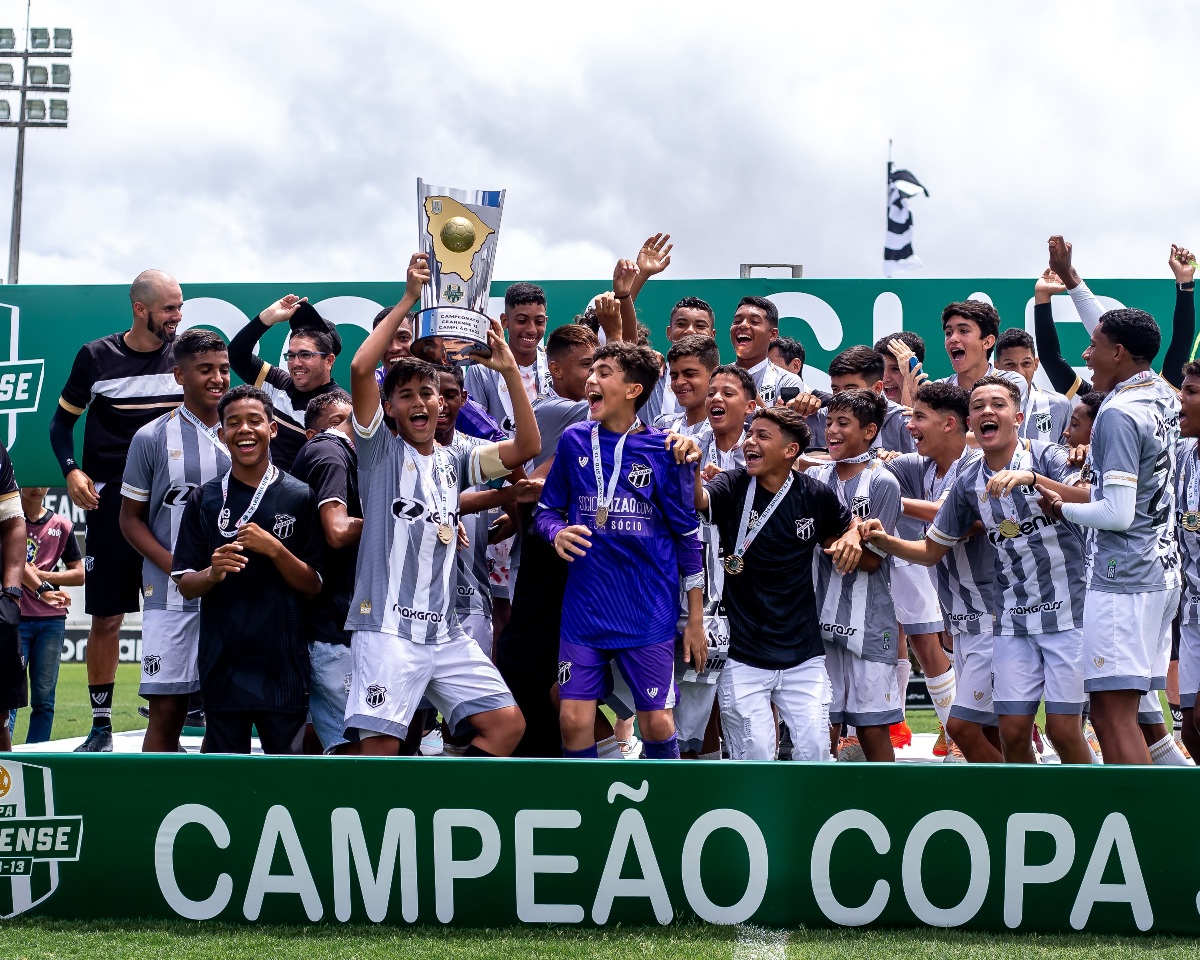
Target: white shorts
865, 693
1150, 708
1127, 639
1027, 669
478, 626
973, 677
801, 693
170, 639
915, 597
1189, 664
390, 674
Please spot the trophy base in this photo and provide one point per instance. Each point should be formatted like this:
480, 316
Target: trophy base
446, 335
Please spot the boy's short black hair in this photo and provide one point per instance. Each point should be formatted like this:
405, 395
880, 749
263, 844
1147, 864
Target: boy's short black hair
323, 401
1013, 338
405, 370
191, 343
382, 315
694, 303
245, 392
914, 341
983, 315
946, 398
455, 371
698, 345
519, 293
994, 381
789, 349
790, 423
742, 377
1133, 329
569, 336
858, 360
765, 305
638, 364
1093, 398
867, 406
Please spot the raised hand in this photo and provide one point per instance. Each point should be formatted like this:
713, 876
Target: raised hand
625, 272
1182, 263
1049, 284
1060, 259
281, 310
608, 314
418, 275
502, 358
655, 255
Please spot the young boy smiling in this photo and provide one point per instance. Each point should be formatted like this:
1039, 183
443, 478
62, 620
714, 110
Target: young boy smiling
617, 506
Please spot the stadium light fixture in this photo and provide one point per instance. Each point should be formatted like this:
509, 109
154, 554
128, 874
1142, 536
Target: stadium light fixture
62, 38
58, 111
35, 110
8, 38
38, 76
5, 110
39, 39
60, 75
6, 73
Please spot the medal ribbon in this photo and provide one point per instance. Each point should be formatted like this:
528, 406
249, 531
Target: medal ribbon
748, 531
267, 478
604, 498
439, 490
203, 429
542, 383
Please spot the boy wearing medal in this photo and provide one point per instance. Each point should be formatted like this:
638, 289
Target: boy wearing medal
407, 640
248, 549
856, 614
1038, 643
771, 520
170, 458
1187, 503
617, 506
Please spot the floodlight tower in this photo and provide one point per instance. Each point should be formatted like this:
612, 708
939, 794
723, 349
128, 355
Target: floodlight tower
38, 79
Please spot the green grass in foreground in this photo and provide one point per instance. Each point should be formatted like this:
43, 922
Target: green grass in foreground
38, 939
73, 713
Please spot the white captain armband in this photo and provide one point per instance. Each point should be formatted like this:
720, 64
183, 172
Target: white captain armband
10, 508
694, 582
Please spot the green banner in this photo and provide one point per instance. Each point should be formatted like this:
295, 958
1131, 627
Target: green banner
469, 843
47, 324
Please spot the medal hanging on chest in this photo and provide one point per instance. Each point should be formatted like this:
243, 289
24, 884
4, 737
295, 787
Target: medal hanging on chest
1010, 527
438, 485
1191, 516
747, 530
606, 493
223, 517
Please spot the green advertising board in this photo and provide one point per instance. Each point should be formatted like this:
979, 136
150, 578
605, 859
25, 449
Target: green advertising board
47, 324
479, 843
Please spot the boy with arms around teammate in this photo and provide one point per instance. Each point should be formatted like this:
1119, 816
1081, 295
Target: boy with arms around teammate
775, 651
407, 639
169, 459
618, 507
1038, 641
856, 614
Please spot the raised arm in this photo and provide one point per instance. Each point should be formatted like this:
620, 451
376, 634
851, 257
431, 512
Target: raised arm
364, 391
1183, 322
526, 442
1090, 309
625, 275
1062, 376
242, 359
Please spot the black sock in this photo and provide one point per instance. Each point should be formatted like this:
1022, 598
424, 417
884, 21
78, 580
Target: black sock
474, 751
101, 695
1176, 720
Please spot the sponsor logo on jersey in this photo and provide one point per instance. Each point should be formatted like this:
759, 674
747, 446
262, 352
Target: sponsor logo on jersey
151, 665
639, 475
285, 524
376, 696
421, 616
805, 528
406, 509
33, 840
583, 461
1047, 607
838, 629
177, 495
564, 672
1023, 529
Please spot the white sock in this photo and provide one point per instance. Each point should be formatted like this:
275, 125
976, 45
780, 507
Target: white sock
609, 749
903, 672
941, 692
1166, 753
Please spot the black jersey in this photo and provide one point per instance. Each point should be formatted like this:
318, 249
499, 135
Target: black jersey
122, 390
254, 628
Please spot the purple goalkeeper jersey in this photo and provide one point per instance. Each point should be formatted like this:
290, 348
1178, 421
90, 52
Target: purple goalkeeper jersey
625, 591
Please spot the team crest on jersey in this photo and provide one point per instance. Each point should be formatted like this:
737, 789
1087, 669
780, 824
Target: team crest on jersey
639, 475
583, 461
861, 507
564, 672
805, 528
88, 563
1043, 422
405, 509
376, 696
767, 393
979, 694
177, 496
285, 524
507, 425
40, 839
151, 664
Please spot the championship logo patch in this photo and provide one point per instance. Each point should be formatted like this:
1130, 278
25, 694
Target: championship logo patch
639, 475
405, 509
40, 840
564, 672
151, 665
284, 525
805, 528
376, 696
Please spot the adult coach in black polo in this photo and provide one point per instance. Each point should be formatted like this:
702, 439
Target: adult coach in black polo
313, 345
124, 381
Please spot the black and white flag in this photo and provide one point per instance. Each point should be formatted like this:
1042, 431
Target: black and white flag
898, 253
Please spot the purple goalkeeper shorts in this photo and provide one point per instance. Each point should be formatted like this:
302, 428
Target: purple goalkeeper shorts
584, 673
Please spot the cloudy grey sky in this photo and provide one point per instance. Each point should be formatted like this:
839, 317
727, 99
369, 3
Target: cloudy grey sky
281, 141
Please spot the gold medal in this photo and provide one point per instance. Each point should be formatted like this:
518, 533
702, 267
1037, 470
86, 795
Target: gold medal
734, 564
1191, 521
1009, 528
601, 515
445, 533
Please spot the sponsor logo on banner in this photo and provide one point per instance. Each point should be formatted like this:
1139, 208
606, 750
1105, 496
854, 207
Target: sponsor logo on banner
33, 840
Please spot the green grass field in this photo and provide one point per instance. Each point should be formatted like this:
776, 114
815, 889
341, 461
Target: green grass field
35, 940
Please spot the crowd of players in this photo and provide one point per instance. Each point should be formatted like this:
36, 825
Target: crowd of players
741, 562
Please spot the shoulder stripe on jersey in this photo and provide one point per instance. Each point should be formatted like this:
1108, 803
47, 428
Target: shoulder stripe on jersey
369, 430
148, 385
263, 369
9, 495
70, 407
134, 493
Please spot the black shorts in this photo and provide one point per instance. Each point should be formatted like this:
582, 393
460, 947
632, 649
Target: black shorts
14, 690
228, 731
113, 567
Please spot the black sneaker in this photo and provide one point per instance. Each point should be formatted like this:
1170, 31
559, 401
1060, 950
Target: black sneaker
195, 718
144, 712
785, 742
98, 741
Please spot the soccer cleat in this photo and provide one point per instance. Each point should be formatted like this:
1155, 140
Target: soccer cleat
1038, 744
850, 750
1089, 734
940, 749
953, 753
98, 741
1182, 748
901, 734
195, 718
144, 712
631, 749
431, 743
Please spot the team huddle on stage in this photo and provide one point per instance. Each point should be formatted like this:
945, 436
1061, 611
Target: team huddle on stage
575, 521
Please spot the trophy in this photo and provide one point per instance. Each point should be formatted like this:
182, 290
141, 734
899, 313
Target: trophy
458, 231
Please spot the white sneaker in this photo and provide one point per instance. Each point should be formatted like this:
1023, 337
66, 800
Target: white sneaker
631, 748
431, 744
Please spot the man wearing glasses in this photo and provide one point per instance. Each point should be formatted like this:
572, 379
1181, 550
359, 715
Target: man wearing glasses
312, 347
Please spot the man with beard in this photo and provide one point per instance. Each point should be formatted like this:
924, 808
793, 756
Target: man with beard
124, 380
